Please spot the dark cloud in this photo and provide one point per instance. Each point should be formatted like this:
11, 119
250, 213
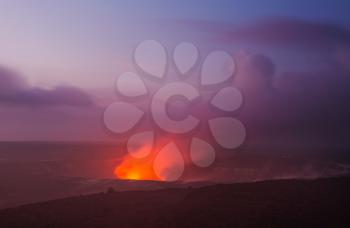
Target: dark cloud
15, 90
275, 31
297, 108
300, 107
255, 72
291, 32
306, 107
317, 101
10, 82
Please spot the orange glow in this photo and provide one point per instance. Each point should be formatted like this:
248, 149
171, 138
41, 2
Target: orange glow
136, 169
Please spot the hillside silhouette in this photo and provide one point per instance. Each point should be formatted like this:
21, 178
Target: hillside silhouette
279, 203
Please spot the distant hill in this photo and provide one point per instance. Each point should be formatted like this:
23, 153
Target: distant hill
280, 203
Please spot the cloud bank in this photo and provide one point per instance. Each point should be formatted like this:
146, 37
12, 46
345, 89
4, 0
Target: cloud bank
15, 91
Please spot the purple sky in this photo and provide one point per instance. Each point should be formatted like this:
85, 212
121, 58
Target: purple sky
59, 61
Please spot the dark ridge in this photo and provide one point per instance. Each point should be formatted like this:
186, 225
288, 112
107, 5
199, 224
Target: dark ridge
279, 203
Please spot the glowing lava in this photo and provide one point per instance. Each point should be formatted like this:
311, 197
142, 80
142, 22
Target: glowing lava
162, 163
136, 169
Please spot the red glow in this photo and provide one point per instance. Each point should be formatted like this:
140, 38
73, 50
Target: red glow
136, 169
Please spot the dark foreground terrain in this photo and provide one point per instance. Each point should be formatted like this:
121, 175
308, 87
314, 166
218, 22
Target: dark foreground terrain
283, 203
32, 172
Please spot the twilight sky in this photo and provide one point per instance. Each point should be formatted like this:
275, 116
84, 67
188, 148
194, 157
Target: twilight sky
59, 61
